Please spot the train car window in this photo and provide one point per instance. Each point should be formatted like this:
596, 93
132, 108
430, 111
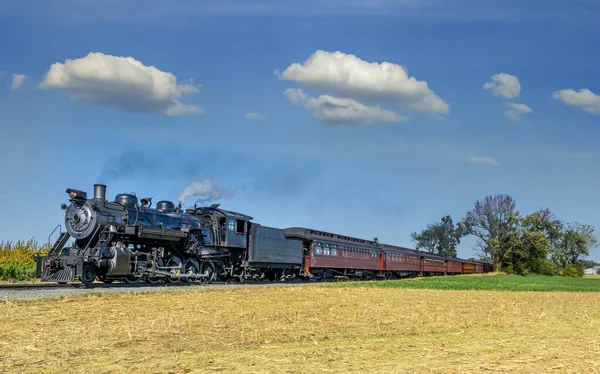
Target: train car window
334, 250
240, 226
326, 252
231, 225
319, 249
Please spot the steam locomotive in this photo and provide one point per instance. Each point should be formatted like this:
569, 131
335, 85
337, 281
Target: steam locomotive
129, 240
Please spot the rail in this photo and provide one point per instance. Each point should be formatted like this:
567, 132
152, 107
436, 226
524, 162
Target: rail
59, 227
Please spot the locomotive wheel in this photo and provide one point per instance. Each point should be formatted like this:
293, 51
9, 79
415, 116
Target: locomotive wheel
132, 279
154, 280
208, 268
88, 275
157, 279
174, 261
191, 266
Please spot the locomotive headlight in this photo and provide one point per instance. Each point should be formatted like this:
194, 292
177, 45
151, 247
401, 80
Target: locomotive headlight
76, 194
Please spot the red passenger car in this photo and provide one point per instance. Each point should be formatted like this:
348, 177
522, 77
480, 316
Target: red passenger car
433, 265
454, 266
330, 255
400, 262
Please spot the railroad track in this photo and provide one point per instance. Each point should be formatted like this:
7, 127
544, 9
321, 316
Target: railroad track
99, 285
25, 286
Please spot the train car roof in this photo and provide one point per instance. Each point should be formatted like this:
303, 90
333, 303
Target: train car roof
398, 248
307, 233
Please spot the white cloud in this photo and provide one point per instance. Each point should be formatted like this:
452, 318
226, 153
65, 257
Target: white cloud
348, 76
17, 81
584, 99
121, 82
515, 110
483, 160
257, 116
504, 85
335, 110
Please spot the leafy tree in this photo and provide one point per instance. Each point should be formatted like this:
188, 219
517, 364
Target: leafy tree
440, 238
576, 241
540, 233
494, 221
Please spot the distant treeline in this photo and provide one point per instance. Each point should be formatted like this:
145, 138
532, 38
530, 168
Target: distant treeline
537, 243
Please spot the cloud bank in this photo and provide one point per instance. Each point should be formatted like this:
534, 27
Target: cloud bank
515, 110
483, 160
256, 116
17, 81
504, 85
335, 110
372, 82
121, 82
353, 90
584, 99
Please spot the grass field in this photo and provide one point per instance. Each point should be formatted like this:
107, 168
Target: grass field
304, 329
493, 282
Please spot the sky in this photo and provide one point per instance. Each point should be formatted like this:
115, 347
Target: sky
364, 118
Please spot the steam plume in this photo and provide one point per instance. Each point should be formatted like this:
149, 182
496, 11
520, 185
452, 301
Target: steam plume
206, 190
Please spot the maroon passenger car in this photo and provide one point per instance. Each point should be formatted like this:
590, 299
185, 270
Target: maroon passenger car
328, 254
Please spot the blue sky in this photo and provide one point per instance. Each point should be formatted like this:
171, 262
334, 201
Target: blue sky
294, 167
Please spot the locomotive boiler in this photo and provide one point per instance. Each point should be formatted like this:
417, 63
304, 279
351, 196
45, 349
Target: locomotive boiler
127, 239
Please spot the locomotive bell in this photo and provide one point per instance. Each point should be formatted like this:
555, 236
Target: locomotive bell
146, 202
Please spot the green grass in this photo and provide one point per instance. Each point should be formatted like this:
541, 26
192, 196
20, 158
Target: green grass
489, 283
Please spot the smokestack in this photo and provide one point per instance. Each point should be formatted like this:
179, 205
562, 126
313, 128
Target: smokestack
100, 191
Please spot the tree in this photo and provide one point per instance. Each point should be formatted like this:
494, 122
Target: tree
494, 221
440, 238
576, 240
540, 233
545, 222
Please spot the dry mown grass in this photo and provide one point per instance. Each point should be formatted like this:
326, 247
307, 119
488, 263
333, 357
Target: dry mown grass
304, 329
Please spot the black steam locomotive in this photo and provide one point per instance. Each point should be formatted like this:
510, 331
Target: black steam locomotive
127, 239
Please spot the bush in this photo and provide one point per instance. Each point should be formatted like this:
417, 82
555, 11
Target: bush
16, 272
598, 272
573, 271
547, 268
509, 269
17, 262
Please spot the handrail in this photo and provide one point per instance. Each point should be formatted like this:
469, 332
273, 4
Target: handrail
59, 226
89, 241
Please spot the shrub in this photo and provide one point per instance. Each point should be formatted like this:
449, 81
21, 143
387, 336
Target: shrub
598, 272
17, 260
509, 269
16, 272
573, 271
547, 268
